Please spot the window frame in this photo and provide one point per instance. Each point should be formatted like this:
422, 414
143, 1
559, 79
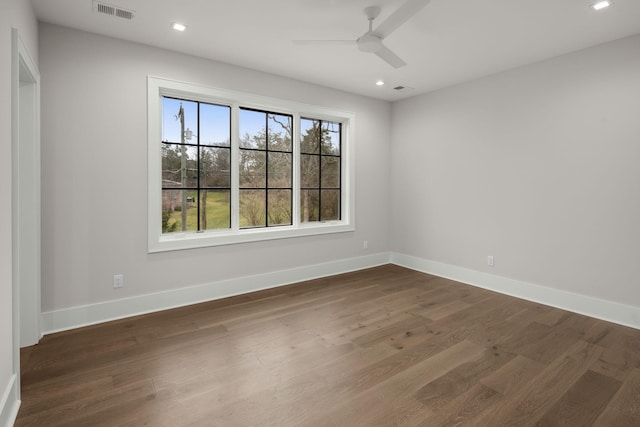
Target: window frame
199, 146
159, 242
267, 187
321, 156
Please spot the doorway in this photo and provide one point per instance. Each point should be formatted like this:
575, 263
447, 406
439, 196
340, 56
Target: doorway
25, 199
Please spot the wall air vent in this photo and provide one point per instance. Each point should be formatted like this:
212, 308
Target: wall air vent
111, 10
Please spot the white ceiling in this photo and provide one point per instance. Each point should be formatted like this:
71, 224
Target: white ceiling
448, 42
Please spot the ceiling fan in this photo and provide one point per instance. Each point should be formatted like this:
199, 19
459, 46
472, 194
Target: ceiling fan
371, 41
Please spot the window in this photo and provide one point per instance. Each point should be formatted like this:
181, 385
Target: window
196, 172
227, 167
320, 144
266, 168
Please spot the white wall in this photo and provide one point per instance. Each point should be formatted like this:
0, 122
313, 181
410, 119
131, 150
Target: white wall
537, 166
13, 14
94, 152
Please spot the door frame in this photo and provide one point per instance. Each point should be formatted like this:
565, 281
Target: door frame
25, 200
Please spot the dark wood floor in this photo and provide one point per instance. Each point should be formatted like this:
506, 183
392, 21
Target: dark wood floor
381, 347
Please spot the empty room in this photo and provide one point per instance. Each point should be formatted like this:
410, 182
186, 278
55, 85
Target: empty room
320, 213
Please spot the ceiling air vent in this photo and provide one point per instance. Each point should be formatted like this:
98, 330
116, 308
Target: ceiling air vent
402, 88
111, 10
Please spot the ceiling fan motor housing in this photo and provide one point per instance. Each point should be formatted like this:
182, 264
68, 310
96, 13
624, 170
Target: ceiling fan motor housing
370, 42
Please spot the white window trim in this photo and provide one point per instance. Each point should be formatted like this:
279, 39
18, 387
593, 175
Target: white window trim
159, 242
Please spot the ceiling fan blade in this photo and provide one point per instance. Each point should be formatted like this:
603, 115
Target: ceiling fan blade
325, 42
391, 58
400, 16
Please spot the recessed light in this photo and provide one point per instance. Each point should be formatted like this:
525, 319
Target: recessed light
601, 5
380, 83
178, 26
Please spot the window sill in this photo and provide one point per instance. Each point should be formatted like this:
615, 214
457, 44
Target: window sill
193, 240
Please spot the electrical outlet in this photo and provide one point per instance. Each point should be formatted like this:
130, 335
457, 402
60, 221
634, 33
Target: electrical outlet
365, 244
118, 281
490, 261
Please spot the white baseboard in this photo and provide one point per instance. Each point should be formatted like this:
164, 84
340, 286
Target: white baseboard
589, 306
75, 317
10, 403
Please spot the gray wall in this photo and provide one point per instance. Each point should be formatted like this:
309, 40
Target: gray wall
537, 166
94, 182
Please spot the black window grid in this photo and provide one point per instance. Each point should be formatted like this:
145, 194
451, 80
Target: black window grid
199, 187
320, 155
268, 150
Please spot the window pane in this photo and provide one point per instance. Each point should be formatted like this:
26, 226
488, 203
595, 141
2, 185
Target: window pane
309, 136
331, 138
309, 171
280, 132
330, 172
252, 129
215, 125
173, 165
171, 119
215, 209
253, 169
215, 169
279, 207
179, 205
279, 170
252, 208
330, 209
309, 205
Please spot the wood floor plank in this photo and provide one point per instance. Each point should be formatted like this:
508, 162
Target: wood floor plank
437, 311
621, 349
532, 401
612, 417
540, 342
365, 326
403, 385
87, 406
511, 377
385, 346
464, 409
500, 330
627, 401
583, 403
381, 333
443, 390
399, 412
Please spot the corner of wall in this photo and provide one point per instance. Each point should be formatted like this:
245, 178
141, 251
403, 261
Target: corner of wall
609, 311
